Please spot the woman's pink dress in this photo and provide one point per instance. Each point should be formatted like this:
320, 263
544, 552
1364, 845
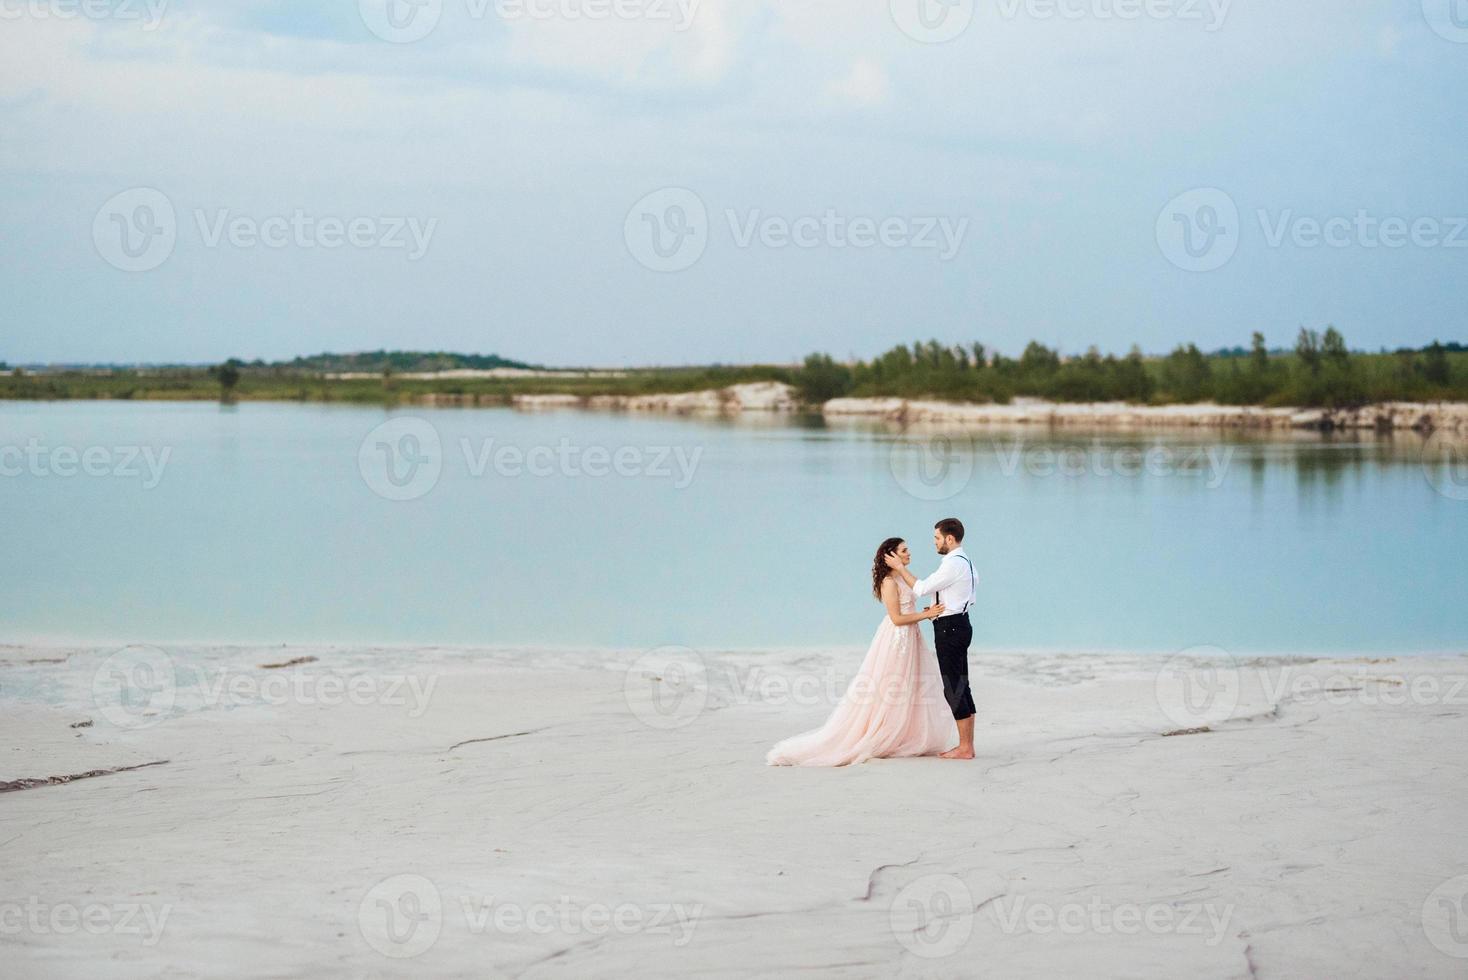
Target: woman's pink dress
893, 707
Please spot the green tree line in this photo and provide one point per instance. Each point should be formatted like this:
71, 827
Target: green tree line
1321, 371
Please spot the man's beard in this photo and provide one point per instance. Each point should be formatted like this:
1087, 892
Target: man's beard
942, 549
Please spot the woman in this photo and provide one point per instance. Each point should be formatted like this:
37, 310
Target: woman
895, 705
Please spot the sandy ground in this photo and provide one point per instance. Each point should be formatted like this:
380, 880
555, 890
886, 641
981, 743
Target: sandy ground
495, 813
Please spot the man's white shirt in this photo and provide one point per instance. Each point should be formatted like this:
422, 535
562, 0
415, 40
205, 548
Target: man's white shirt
953, 582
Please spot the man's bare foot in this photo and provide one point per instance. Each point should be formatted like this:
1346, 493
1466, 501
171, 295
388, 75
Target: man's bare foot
961, 752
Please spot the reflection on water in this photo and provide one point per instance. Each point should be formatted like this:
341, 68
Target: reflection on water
299, 523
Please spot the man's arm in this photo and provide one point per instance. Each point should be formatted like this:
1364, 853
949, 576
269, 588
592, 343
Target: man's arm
947, 575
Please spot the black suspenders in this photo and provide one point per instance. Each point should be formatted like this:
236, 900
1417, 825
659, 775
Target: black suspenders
973, 585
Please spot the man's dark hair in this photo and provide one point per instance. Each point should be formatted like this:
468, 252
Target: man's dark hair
950, 525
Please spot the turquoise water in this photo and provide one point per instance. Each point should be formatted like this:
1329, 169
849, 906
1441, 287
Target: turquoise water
274, 523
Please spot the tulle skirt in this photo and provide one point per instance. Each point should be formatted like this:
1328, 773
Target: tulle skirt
893, 707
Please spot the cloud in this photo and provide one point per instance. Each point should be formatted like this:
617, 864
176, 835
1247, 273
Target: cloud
530, 136
656, 44
866, 84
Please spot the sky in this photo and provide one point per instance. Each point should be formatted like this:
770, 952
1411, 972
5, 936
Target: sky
605, 182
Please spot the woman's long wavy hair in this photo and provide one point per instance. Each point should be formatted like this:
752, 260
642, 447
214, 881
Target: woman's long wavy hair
880, 571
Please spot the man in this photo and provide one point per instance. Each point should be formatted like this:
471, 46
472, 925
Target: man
954, 585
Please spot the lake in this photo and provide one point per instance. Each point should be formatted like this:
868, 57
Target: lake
157, 522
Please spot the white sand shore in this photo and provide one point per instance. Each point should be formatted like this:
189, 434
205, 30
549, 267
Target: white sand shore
460, 373
773, 396
758, 396
493, 813
1386, 416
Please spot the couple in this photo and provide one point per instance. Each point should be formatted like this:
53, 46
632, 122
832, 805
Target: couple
904, 701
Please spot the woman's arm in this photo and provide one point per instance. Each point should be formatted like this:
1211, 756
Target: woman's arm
895, 563
889, 599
